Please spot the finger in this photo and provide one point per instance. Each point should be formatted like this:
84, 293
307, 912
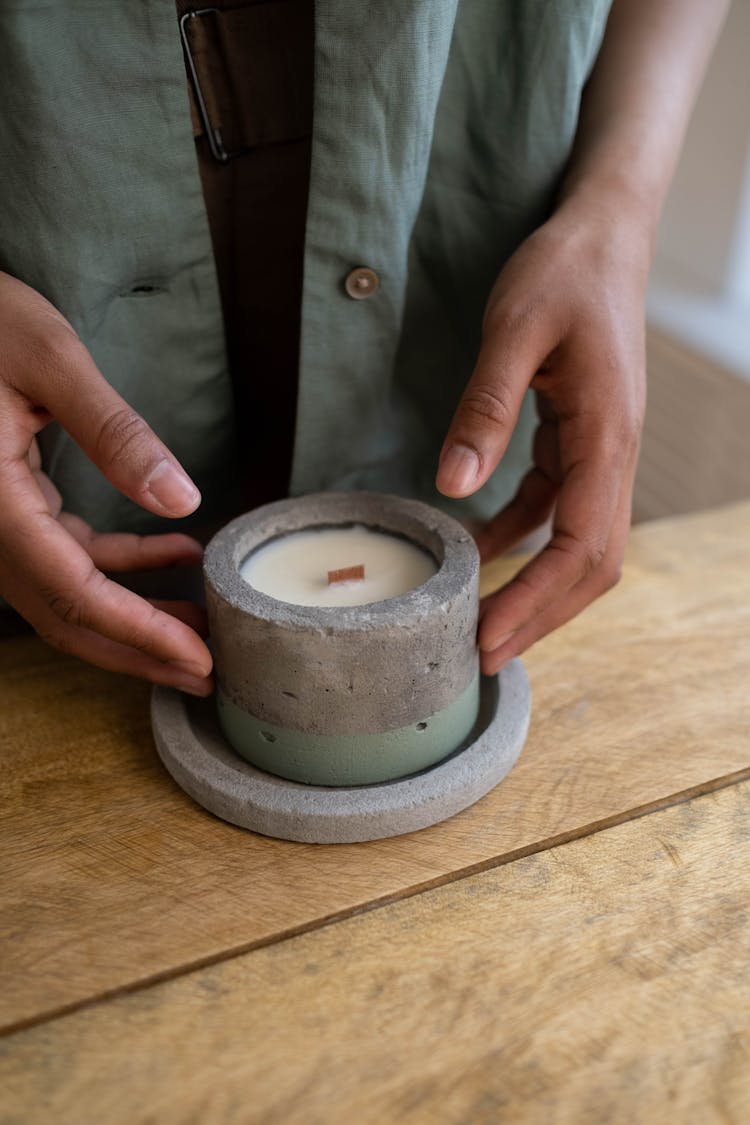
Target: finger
563, 610
52, 497
586, 507
64, 380
595, 584
124, 552
558, 614
36, 547
533, 502
193, 615
114, 657
513, 348
528, 510
34, 456
96, 649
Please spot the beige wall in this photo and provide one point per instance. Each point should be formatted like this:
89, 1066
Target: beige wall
705, 205
696, 449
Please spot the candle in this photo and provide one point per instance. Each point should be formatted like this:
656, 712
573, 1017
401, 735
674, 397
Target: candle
344, 635
330, 706
295, 568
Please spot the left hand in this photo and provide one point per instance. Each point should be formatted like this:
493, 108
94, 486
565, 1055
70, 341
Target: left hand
121, 552
565, 318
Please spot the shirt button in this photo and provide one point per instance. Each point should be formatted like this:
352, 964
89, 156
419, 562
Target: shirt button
361, 282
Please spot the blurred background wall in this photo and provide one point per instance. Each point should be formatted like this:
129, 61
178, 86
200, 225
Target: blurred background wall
696, 444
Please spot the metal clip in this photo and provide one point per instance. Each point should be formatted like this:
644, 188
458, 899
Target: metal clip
213, 134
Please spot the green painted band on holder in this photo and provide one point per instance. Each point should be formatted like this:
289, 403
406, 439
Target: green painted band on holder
342, 760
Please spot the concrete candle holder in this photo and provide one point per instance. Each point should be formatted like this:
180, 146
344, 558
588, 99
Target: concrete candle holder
333, 706
346, 695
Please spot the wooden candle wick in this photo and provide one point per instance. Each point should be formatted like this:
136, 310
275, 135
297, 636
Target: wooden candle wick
346, 574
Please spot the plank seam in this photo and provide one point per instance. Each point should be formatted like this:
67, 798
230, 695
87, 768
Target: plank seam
592, 828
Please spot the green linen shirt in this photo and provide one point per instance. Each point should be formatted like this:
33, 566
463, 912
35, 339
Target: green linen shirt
441, 128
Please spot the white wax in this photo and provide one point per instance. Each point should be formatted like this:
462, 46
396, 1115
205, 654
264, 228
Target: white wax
294, 568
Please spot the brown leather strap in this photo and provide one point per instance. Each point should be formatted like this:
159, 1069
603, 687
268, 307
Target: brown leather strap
257, 62
253, 78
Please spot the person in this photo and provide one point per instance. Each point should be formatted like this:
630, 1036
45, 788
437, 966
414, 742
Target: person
451, 144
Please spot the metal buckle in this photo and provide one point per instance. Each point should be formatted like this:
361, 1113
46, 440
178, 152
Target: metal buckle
215, 141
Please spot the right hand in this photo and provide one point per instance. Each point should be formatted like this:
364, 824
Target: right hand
51, 562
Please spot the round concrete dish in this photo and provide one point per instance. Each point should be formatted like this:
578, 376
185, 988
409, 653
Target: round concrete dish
199, 758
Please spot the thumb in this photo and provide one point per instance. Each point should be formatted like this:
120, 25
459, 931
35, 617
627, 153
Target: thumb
67, 383
486, 416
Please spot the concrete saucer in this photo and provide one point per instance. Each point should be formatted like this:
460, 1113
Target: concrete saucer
196, 754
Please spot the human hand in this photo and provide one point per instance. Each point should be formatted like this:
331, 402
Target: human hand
51, 563
566, 318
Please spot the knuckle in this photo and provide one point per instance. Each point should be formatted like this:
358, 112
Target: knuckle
72, 606
592, 556
632, 426
511, 317
621, 417
616, 449
487, 404
588, 554
537, 586
122, 435
622, 412
65, 607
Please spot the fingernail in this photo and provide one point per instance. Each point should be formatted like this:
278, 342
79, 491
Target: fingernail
490, 666
173, 489
458, 469
201, 688
497, 642
191, 668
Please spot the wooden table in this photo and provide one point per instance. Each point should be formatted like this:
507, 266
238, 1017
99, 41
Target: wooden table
574, 948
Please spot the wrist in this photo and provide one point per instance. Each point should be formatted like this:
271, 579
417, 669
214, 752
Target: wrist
622, 211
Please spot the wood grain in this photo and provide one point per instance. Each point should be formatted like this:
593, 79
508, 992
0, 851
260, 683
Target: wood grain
603, 981
112, 878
